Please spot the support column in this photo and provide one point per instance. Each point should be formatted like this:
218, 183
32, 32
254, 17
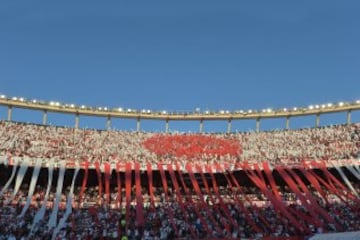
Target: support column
287, 124
44, 117
9, 116
348, 117
138, 124
201, 129
108, 123
167, 126
317, 121
257, 124
229, 125
77, 119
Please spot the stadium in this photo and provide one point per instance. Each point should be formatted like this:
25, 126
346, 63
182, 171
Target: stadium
73, 183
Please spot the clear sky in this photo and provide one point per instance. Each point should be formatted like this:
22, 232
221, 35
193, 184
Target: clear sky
160, 55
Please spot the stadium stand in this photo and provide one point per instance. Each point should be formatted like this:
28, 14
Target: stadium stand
67, 183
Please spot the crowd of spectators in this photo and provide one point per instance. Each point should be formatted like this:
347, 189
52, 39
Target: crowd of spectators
168, 218
227, 213
280, 147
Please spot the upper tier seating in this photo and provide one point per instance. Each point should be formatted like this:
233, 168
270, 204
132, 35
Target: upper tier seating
280, 147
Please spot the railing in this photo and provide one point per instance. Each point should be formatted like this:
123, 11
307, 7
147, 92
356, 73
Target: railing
138, 115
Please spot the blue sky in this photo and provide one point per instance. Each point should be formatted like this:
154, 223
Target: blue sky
160, 55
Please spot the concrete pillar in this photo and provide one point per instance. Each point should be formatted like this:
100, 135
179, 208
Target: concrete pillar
229, 125
287, 124
108, 123
317, 121
77, 120
257, 124
201, 128
9, 116
138, 124
348, 117
44, 117
167, 125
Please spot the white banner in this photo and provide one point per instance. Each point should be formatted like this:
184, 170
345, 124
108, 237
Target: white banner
19, 178
346, 180
68, 205
34, 178
40, 214
11, 177
53, 216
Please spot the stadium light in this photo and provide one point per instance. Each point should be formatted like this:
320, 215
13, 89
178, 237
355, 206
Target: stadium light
311, 107
2, 96
341, 104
